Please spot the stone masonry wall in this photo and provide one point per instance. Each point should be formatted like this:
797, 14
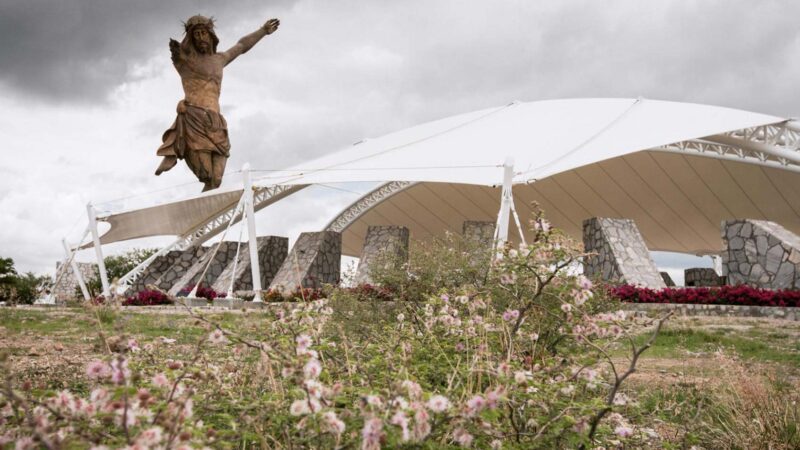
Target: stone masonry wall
67, 288
314, 260
272, 251
760, 253
183, 262
382, 245
225, 254
480, 234
621, 254
701, 276
152, 273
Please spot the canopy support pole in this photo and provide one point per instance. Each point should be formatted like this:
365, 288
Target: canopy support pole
506, 204
71, 260
251, 232
97, 250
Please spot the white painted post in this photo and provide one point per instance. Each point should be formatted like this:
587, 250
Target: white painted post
97, 250
506, 201
249, 208
75, 270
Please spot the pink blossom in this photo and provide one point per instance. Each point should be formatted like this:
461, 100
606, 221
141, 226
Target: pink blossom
312, 369
303, 342
623, 431
584, 282
414, 390
542, 225
97, 370
120, 371
160, 380
508, 278
133, 346
217, 337
438, 403
25, 443
510, 315
299, 408
150, 437
401, 420
422, 425
475, 405
374, 400
463, 437
444, 297
371, 434
333, 423
566, 307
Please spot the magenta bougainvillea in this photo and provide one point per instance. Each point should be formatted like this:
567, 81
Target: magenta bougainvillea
724, 295
148, 298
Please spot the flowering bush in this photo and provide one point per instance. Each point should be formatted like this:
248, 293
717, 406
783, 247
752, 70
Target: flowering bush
202, 292
519, 360
147, 298
299, 294
724, 295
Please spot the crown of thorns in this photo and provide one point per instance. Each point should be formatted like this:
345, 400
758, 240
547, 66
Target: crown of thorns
198, 20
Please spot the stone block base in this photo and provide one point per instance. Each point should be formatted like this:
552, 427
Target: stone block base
383, 246
760, 253
315, 260
621, 255
701, 276
272, 251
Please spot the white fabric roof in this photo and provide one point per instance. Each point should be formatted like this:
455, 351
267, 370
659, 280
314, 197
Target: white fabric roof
544, 138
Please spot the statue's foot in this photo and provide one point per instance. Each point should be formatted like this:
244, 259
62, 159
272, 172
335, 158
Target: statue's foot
208, 186
167, 163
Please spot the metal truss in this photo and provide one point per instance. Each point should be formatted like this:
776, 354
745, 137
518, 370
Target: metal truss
776, 145
365, 203
262, 197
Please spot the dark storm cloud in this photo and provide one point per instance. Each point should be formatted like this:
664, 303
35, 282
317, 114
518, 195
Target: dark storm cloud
77, 50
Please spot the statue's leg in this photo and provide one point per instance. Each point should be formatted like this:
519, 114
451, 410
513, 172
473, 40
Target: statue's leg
200, 163
167, 163
218, 163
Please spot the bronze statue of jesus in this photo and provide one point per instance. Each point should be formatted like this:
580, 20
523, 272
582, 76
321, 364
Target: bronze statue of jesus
200, 134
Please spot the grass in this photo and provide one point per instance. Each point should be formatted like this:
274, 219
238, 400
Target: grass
682, 383
755, 343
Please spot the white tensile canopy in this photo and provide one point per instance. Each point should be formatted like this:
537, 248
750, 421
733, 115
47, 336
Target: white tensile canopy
677, 169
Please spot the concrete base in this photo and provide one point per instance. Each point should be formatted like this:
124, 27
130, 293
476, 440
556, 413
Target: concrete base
232, 303
191, 302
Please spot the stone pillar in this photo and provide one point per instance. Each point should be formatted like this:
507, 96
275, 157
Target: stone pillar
225, 254
667, 279
67, 288
701, 276
621, 255
183, 262
383, 246
314, 260
154, 271
760, 253
478, 234
272, 252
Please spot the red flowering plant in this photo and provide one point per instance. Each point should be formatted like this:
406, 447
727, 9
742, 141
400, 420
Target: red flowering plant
202, 292
724, 295
148, 298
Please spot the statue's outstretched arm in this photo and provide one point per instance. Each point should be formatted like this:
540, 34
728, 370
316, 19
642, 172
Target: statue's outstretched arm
247, 42
175, 50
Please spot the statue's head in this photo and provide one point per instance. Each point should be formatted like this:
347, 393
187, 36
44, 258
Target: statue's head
200, 35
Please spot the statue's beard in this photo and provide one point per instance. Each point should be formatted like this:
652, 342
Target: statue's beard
202, 47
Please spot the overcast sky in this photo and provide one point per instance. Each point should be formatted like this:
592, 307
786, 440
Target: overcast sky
87, 86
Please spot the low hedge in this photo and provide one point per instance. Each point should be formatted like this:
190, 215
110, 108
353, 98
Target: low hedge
723, 295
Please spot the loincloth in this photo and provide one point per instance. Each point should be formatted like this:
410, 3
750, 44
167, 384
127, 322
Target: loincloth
195, 129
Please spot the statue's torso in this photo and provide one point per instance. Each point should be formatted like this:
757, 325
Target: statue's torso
201, 77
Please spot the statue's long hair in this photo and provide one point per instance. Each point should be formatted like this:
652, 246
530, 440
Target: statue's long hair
187, 47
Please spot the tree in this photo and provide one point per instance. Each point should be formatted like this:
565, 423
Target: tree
116, 267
